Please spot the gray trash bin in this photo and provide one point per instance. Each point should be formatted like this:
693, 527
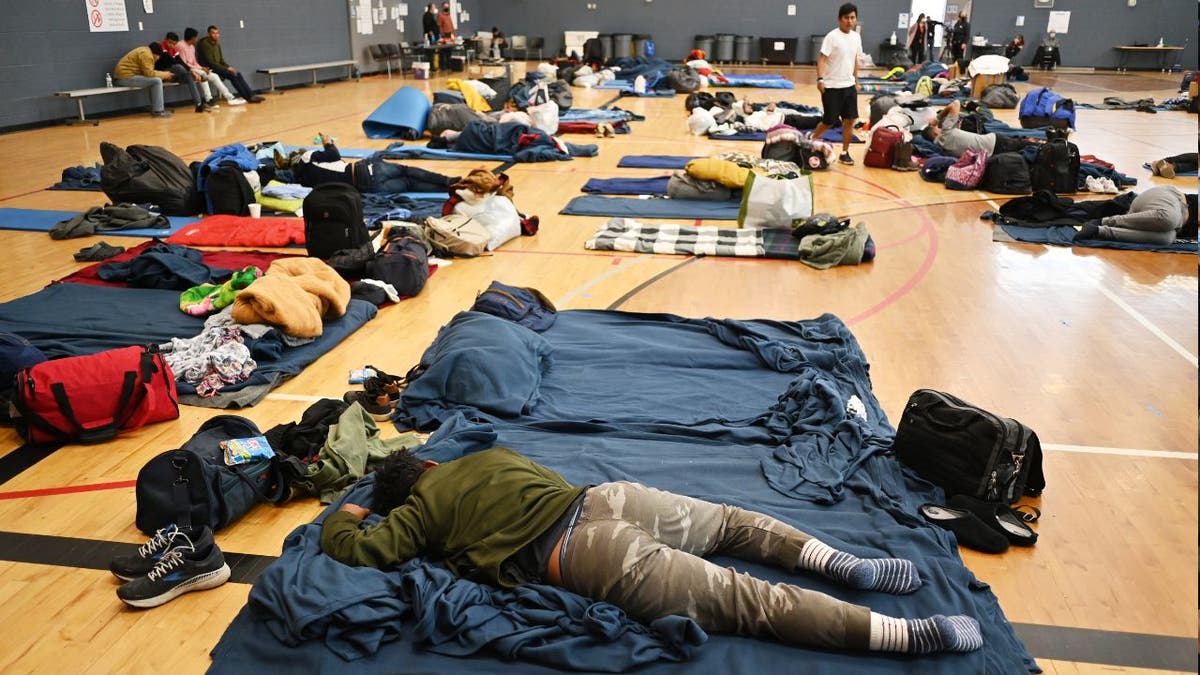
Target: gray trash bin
622, 45
640, 45
742, 48
724, 53
606, 46
705, 44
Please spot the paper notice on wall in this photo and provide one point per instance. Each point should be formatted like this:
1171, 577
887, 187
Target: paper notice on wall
148, 5
106, 16
1021, 20
400, 25
1058, 22
363, 23
791, 10
464, 17
403, 9
902, 22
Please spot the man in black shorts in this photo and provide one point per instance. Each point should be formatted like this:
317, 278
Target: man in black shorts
837, 78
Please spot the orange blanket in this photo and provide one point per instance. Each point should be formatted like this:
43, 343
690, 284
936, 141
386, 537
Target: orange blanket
225, 230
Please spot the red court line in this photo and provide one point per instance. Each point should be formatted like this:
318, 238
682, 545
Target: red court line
67, 489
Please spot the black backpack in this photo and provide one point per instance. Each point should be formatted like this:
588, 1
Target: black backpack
148, 174
1007, 173
333, 220
228, 191
1056, 168
403, 263
192, 486
965, 449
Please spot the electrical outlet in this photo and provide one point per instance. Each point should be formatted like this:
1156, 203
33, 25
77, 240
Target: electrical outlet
241, 23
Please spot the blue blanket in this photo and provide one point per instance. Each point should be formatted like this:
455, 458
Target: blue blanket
41, 220
749, 413
594, 115
1064, 235
396, 151
654, 161
627, 186
761, 80
596, 205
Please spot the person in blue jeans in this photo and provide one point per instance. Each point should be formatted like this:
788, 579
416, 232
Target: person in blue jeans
373, 174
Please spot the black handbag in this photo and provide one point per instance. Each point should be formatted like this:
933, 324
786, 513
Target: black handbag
965, 449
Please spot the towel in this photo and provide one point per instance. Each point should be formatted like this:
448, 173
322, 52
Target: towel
294, 295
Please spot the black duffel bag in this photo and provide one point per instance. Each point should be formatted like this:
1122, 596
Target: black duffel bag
193, 487
401, 262
967, 450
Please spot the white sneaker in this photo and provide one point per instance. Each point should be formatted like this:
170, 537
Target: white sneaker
1092, 184
237, 101
1109, 186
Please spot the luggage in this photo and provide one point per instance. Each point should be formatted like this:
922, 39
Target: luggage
333, 220
401, 262
1000, 96
147, 174
683, 80
1042, 107
192, 486
967, 450
95, 397
683, 186
967, 172
924, 86
1056, 168
935, 168
881, 153
1007, 173
228, 191
457, 235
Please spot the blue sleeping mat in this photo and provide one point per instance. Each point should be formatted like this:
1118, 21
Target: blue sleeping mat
346, 153
626, 186
750, 413
596, 205
403, 115
1146, 166
40, 220
654, 161
423, 152
1064, 235
761, 80
626, 86
834, 135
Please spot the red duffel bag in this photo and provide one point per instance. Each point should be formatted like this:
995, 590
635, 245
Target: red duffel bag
93, 398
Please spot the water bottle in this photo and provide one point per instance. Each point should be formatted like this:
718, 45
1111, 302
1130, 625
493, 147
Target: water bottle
893, 39
108, 80
1160, 42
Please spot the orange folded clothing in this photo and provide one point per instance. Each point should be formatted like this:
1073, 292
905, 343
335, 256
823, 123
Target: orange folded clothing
294, 295
226, 230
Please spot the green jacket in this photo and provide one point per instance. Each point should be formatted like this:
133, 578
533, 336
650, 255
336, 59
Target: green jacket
208, 53
473, 513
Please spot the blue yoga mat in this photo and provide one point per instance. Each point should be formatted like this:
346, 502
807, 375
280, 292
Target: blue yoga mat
627, 186
627, 86
346, 153
403, 115
423, 152
39, 220
1064, 235
595, 205
763, 81
1146, 166
654, 161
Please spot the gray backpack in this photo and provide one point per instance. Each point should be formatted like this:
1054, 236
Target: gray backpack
457, 235
1000, 96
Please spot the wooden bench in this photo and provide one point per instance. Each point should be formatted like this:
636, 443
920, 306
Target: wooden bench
314, 67
80, 94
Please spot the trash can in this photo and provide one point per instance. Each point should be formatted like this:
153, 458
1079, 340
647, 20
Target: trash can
705, 44
606, 46
724, 51
622, 45
741, 48
816, 41
643, 45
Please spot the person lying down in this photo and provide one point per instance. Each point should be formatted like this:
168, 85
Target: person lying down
500, 518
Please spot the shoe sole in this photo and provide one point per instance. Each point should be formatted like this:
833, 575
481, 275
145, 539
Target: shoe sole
201, 582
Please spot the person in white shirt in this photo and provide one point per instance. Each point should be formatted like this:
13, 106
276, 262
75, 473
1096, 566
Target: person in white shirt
837, 78
187, 54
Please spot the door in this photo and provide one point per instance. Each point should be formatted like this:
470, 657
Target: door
934, 9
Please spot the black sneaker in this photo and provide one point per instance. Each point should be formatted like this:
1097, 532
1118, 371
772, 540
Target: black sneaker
380, 408
139, 563
382, 383
181, 569
846, 159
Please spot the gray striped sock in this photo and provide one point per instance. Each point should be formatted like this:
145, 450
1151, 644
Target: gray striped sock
925, 636
888, 575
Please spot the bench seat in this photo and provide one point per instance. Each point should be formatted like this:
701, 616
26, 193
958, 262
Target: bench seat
80, 94
348, 64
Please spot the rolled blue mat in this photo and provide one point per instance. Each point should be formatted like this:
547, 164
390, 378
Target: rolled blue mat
403, 115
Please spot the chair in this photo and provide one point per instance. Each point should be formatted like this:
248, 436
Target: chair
399, 52
516, 43
535, 43
379, 53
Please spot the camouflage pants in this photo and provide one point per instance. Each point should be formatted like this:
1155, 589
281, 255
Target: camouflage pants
641, 549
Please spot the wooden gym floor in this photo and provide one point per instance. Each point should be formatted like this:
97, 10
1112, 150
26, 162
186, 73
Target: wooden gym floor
1095, 349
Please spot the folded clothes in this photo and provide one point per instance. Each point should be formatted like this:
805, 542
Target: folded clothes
294, 295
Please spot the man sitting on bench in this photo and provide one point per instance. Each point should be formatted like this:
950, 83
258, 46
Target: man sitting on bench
170, 61
187, 54
136, 69
208, 53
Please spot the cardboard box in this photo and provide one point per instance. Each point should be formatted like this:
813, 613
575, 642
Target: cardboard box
981, 82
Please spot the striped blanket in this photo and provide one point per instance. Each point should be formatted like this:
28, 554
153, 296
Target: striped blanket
627, 234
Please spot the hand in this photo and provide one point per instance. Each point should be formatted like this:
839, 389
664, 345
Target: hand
233, 70
170, 77
821, 87
355, 510
325, 140
858, 86
196, 77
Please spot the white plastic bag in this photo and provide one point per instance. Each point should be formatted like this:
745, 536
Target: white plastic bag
639, 84
497, 213
544, 116
775, 202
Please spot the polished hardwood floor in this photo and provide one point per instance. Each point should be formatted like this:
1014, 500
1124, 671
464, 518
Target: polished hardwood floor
1095, 349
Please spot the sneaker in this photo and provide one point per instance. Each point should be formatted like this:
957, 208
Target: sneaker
1161, 167
846, 159
380, 408
212, 103
1109, 186
382, 383
140, 562
1092, 184
202, 108
256, 99
161, 113
182, 569
236, 101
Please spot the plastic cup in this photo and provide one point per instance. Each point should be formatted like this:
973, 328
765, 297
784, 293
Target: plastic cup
255, 210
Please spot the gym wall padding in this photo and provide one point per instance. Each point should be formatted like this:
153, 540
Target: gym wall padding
403, 116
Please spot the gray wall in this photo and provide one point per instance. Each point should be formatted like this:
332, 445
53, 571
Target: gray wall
45, 46
359, 44
1096, 25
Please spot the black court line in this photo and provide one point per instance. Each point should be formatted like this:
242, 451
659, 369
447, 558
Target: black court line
504, 167
604, 106
1130, 650
24, 457
642, 286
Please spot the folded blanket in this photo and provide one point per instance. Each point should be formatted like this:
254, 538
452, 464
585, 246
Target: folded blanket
294, 295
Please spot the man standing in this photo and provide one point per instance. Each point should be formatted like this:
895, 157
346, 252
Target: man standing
187, 54
429, 24
837, 78
960, 35
136, 69
208, 53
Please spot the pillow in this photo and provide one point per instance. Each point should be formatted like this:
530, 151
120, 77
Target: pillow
478, 361
718, 170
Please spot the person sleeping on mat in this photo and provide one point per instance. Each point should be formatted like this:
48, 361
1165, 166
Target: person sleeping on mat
1156, 216
311, 168
499, 518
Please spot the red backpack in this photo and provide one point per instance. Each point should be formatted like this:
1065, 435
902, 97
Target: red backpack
881, 153
93, 398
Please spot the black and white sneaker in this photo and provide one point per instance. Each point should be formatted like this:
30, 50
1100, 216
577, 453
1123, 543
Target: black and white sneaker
181, 569
140, 562
846, 159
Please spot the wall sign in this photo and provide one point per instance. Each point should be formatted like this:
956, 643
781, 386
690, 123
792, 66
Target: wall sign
106, 16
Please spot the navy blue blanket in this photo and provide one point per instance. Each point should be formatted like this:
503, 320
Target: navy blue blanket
596, 205
654, 161
750, 413
626, 186
1064, 235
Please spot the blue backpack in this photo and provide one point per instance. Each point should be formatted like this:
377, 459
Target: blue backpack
524, 306
1042, 107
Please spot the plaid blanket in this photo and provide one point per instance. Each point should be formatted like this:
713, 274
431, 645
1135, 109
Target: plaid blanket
627, 234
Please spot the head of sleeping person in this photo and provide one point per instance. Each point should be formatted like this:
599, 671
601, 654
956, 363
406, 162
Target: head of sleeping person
395, 478
931, 132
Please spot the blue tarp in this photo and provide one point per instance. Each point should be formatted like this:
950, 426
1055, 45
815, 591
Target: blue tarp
40, 220
654, 161
626, 186
596, 205
1064, 235
749, 413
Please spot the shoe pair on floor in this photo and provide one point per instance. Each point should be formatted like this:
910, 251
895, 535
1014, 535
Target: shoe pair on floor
1161, 167
1098, 184
984, 526
379, 395
605, 130
175, 561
